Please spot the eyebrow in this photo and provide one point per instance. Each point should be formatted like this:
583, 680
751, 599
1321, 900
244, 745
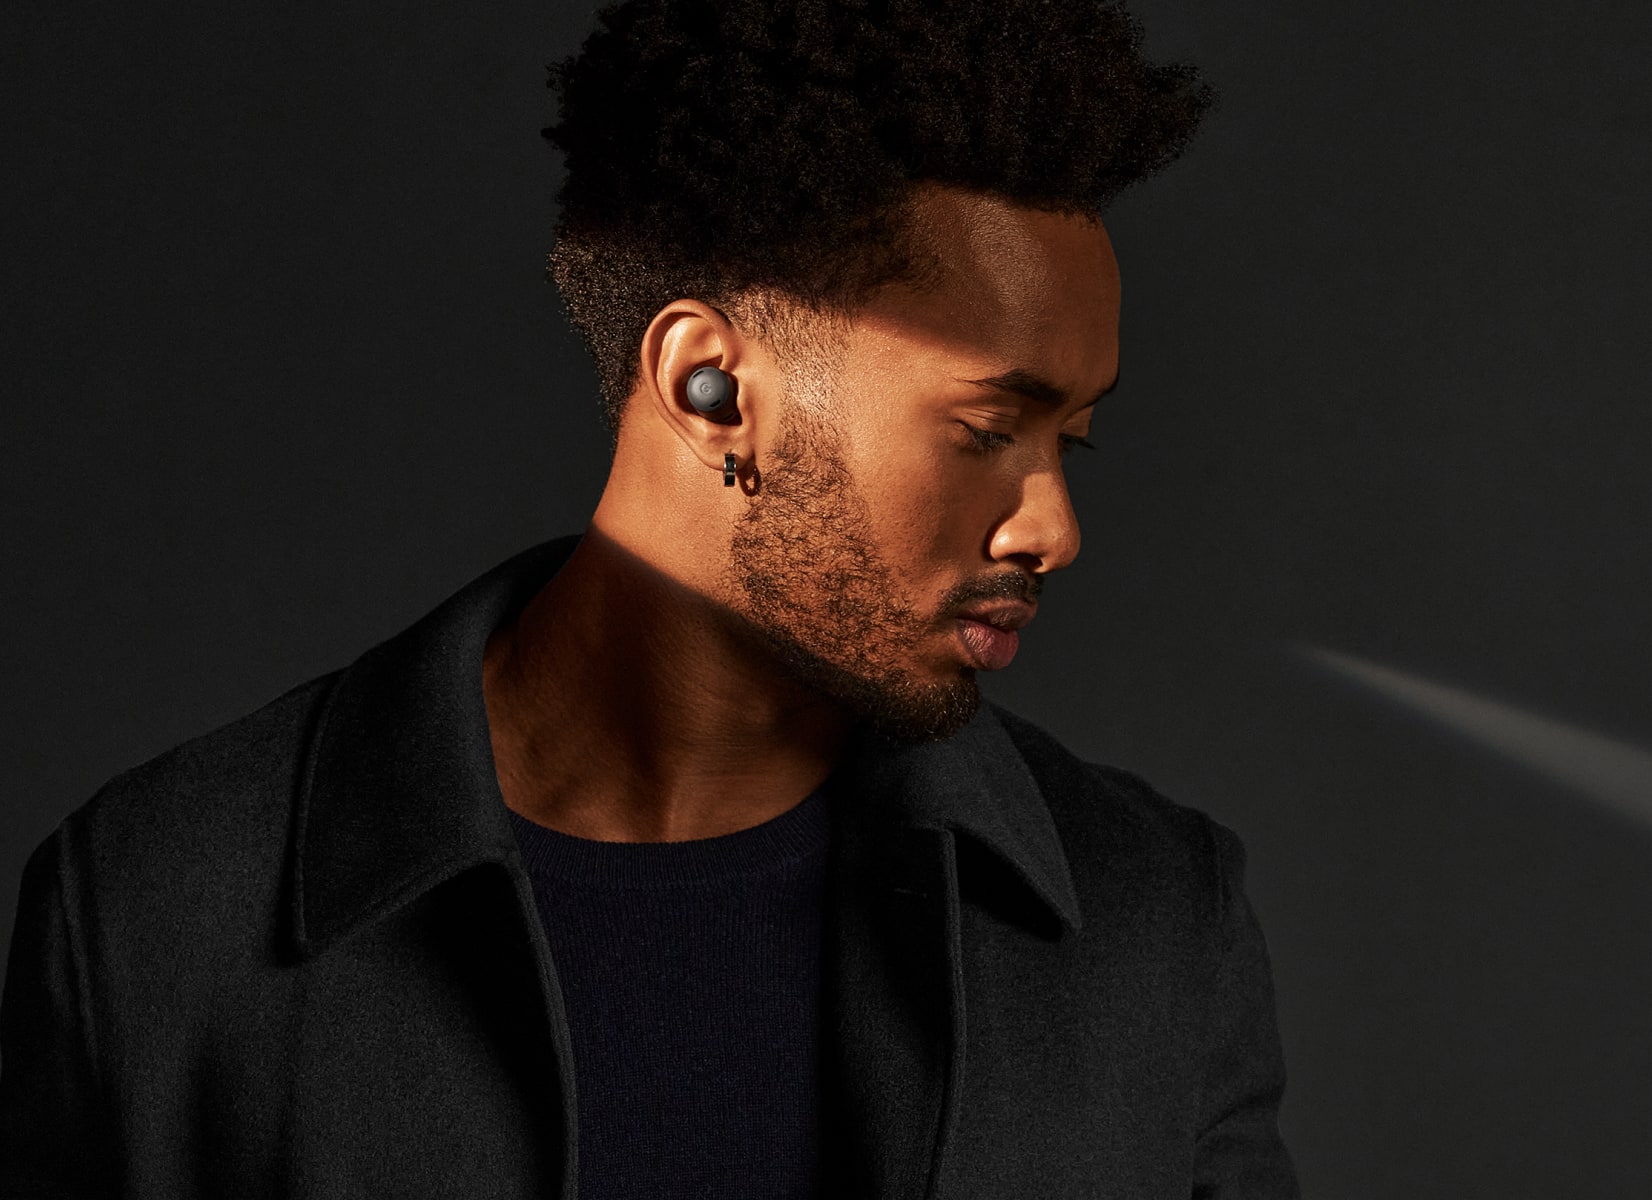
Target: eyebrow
1033, 387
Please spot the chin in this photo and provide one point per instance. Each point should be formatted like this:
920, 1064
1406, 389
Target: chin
929, 700
931, 713
905, 708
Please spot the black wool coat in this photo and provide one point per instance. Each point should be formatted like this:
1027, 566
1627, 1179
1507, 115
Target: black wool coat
299, 956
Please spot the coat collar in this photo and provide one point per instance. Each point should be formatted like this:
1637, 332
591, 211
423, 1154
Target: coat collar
400, 794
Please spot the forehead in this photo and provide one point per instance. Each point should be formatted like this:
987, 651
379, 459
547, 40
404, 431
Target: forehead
1012, 286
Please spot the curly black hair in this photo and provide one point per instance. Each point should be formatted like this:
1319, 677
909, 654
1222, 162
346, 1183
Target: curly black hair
737, 150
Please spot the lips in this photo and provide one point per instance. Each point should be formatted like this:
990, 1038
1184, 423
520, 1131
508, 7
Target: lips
989, 647
989, 635
1008, 616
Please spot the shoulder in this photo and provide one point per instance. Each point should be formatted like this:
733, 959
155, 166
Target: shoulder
197, 784
194, 826
1118, 830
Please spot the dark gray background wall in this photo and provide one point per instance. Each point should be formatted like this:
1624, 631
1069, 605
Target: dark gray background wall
280, 372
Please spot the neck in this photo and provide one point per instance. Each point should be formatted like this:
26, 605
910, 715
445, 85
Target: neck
625, 705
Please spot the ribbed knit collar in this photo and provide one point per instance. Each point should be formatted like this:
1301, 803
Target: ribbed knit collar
748, 855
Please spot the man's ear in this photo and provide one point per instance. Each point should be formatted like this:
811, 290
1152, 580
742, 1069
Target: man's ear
684, 336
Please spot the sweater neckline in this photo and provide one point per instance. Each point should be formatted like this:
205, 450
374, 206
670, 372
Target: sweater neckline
785, 841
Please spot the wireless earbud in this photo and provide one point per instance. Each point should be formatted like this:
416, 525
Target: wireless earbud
711, 391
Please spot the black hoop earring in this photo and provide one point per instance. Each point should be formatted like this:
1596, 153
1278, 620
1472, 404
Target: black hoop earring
728, 469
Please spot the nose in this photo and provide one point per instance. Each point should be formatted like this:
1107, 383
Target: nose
1042, 531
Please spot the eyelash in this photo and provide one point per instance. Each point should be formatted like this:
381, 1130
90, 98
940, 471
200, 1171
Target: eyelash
987, 440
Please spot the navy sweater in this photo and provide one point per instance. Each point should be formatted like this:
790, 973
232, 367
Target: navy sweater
691, 975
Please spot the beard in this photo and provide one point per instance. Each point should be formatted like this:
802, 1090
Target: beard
805, 574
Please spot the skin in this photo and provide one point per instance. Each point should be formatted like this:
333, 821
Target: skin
697, 665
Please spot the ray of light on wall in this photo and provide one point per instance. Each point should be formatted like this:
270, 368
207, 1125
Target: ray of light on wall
1616, 775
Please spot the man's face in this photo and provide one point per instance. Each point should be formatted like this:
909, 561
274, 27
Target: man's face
902, 490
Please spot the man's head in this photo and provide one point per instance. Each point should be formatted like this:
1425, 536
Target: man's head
883, 221
916, 475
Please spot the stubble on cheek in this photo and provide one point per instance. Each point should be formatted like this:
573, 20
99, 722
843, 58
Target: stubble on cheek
805, 570
804, 558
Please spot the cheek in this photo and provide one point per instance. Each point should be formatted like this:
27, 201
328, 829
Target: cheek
927, 499
929, 502
968, 501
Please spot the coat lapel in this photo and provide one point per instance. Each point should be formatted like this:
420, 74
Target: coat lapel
400, 791
400, 795
894, 1033
892, 1028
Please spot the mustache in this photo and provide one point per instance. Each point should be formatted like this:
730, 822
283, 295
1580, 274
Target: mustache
1018, 586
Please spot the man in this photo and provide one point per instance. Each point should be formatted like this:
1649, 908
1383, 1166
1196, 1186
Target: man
681, 857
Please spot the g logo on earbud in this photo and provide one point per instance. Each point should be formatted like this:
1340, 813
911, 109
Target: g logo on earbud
711, 391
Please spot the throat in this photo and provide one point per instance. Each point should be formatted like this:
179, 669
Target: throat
621, 739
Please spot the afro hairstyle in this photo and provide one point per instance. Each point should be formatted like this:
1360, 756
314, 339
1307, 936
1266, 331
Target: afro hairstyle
726, 150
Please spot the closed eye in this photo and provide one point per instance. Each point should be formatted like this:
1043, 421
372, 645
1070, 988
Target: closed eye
987, 440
